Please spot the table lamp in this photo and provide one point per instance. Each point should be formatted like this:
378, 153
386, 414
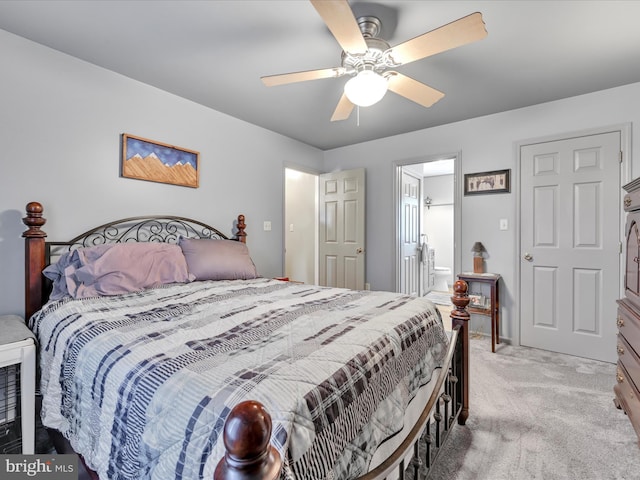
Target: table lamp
478, 259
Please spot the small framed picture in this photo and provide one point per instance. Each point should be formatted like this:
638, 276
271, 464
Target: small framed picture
497, 181
476, 300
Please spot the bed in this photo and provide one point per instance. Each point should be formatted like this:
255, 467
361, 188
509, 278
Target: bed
204, 369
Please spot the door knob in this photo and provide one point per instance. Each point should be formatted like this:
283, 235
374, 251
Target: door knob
359, 250
528, 257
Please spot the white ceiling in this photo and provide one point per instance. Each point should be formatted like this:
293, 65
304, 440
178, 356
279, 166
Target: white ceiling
438, 167
214, 52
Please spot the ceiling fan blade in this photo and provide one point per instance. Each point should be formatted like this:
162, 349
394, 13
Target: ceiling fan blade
455, 34
343, 110
412, 89
338, 16
273, 80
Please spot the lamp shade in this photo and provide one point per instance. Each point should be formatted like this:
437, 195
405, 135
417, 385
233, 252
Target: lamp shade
478, 248
366, 88
478, 260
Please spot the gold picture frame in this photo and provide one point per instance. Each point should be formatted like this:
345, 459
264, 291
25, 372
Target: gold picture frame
144, 159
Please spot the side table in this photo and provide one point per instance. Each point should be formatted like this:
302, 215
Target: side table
493, 309
17, 347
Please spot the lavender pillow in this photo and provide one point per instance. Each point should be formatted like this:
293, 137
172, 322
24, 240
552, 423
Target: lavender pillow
210, 259
67, 264
123, 268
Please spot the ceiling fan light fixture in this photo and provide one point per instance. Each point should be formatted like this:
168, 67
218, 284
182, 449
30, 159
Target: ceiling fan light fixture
366, 88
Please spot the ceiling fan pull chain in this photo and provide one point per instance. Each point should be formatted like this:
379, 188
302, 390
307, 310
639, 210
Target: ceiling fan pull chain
357, 115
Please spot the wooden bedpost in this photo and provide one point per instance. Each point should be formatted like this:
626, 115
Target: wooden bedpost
34, 258
241, 235
249, 453
460, 316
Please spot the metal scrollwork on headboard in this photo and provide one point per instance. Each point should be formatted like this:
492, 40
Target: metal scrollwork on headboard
147, 229
164, 229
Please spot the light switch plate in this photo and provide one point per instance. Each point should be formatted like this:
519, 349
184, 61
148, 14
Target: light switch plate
504, 224
267, 226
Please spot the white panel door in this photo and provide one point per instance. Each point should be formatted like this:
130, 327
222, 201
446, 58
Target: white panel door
410, 264
570, 245
341, 229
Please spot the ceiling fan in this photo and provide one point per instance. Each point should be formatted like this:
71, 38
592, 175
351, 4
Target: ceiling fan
371, 61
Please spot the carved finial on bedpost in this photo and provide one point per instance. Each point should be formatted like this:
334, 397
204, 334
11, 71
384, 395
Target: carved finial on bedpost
34, 249
34, 220
241, 235
460, 316
460, 300
249, 456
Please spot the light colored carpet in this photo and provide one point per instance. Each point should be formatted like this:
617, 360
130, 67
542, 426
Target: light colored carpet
439, 298
539, 415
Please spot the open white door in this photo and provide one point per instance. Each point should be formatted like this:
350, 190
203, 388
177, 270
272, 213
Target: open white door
411, 257
342, 229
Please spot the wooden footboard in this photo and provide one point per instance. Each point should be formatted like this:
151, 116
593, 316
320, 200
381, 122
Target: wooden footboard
249, 455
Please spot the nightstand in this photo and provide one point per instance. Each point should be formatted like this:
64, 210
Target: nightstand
17, 380
492, 308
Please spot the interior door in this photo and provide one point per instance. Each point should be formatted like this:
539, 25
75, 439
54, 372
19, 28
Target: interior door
410, 264
342, 229
570, 245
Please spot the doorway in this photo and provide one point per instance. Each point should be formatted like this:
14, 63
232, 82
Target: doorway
324, 228
301, 226
438, 223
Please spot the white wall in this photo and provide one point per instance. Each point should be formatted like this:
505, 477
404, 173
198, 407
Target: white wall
60, 126
486, 143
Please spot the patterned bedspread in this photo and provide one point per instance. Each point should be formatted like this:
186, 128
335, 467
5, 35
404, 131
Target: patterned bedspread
141, 384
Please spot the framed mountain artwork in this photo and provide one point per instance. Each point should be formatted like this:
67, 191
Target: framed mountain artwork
145, 159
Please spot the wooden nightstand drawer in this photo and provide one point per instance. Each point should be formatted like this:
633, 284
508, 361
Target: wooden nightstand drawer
628, 322
627, 395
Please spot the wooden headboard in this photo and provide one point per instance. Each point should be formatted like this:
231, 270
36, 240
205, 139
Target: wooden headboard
40, 253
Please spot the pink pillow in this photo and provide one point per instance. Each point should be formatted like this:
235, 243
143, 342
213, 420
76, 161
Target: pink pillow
210, 259
125, 267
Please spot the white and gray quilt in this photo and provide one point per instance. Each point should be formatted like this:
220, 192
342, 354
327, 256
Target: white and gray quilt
141, 384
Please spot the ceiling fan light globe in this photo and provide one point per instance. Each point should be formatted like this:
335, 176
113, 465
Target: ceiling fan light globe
366, 88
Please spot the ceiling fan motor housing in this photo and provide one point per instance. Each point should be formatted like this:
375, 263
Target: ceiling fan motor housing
374, 58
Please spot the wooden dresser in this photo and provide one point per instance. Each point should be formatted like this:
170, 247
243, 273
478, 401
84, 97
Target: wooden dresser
627, 388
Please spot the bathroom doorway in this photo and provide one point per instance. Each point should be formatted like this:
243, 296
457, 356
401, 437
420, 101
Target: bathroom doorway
439, 223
